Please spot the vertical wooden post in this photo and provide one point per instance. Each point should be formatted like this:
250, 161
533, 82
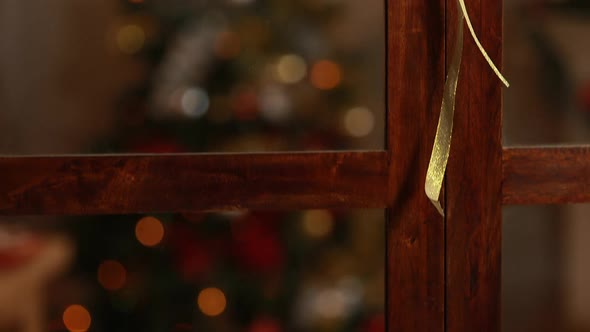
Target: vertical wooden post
415, 231
474, 176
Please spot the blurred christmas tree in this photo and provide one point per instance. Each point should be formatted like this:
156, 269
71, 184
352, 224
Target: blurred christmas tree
241, 75
314, 270
236, 75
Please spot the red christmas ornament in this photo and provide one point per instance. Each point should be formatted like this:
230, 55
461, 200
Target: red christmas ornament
257, 246
193, 257
265, 325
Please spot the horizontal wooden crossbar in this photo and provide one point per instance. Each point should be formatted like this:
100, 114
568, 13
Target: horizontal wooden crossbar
556, 175
84, 185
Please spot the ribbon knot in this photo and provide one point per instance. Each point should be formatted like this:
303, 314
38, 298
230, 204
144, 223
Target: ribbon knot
444, 131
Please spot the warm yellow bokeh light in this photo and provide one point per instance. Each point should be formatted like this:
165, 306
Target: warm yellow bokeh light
211, 301
112, 275
130, 38
149, 231
291, 68
318, 223
359, 122
76, 318
326, 75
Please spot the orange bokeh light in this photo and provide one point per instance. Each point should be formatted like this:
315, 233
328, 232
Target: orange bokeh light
112, 275
211, 301
326, 75
149, 231
76, 318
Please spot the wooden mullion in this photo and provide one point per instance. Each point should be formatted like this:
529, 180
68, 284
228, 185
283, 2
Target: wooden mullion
474, 179
84, 185
415, 231
546, 175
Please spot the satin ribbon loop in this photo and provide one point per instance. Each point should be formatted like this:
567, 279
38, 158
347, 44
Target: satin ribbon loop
444, 131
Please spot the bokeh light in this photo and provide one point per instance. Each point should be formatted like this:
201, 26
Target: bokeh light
211, 301
326, 75
194, 102
149, 231
330, 304
291, 68
130, 38
318, 223
76, 318
359, 122
275, 104
112, 275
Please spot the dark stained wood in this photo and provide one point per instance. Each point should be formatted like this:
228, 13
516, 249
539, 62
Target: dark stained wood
557, 175
474, 177
78, 185
415, 230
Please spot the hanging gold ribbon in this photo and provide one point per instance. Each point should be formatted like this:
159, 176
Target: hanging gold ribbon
442, 142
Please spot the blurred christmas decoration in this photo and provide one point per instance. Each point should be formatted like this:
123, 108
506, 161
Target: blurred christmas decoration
29, 263
112, 275
76, 318
212, 301
149, 231
234, 76
252, 271
236, 71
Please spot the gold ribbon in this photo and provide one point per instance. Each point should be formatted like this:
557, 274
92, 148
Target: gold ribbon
442, 142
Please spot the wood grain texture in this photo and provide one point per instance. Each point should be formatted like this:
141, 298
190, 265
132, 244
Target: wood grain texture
82, 185
415, 230
556, 175
474, 178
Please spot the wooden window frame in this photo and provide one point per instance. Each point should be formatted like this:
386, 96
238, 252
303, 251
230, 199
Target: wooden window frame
443, 274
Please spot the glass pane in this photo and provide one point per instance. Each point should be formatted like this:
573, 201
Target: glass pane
547, 60
315, 270
108, 76
545, 270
